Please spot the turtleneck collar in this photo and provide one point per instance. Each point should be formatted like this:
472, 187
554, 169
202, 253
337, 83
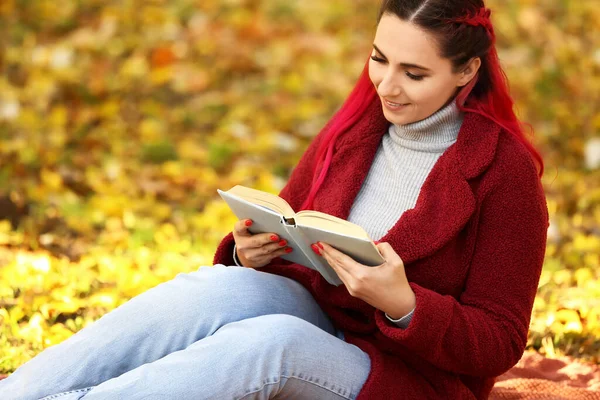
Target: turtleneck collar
433, 134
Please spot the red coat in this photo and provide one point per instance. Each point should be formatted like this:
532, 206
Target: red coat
473, 248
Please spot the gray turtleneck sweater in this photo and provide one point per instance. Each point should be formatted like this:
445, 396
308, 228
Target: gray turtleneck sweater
403, 161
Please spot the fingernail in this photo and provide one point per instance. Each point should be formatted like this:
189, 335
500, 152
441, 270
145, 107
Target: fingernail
315, 248
320, 245
376, 242
283, 242
288, 250
248, 223
274, 238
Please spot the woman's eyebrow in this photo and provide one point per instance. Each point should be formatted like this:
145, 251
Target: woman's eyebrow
405, 65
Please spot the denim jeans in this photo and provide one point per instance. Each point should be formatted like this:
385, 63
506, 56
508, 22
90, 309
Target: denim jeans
215, 333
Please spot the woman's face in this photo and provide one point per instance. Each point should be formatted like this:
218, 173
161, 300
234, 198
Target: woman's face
406, 70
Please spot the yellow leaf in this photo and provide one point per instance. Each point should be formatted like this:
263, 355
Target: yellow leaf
56, 334
51, 179
151, 129
570, 319
562, 277
160, 76
135, 67
58, 117
103, 299
582, 276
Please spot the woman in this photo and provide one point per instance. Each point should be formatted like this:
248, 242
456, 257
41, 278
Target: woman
428, 156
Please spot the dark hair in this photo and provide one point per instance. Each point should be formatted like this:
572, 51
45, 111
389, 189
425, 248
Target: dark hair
457, 42
462, 30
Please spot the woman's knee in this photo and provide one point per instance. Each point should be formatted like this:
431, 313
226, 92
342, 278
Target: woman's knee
231, 289
280, 332
245, 284
230, 276
223, 280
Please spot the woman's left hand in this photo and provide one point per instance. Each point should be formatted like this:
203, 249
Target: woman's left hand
384, 286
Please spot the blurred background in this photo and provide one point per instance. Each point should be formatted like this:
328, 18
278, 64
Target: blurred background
119, 119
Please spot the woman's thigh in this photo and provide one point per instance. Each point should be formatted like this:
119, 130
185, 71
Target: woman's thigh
275, 356
166, 318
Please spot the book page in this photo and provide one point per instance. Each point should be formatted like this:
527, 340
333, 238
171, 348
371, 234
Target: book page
266, 199
330, 223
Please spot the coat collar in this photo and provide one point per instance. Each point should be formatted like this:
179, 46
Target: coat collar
446, 200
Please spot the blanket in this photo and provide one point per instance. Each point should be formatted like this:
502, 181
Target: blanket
538, 377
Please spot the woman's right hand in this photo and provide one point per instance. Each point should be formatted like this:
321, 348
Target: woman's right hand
257, 250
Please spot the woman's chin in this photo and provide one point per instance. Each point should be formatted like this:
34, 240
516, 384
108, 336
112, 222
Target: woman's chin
397, 119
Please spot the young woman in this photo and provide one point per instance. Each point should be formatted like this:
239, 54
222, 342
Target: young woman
427, 155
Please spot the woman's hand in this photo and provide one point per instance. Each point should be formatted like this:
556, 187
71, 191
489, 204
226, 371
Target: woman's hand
385, 286
257, 250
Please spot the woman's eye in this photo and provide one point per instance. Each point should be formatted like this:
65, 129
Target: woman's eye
415, 77
411, 76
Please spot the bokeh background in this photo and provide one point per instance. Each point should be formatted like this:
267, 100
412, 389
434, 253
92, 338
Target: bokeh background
119, 119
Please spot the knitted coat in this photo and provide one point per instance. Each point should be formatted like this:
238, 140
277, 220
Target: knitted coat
472, 247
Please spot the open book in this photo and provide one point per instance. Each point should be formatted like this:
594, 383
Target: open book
272, 214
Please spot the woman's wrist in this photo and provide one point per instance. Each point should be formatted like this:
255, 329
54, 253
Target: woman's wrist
235, 257
403, 320
405, 305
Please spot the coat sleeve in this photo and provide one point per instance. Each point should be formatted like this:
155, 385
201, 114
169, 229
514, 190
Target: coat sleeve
294, 192
484, 332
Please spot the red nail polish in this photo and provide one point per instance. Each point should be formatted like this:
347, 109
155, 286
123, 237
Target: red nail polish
288, 250
315, 249
248, 223
320, 245
283, 242
274, 238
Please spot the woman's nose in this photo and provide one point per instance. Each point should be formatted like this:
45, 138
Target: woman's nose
389, 86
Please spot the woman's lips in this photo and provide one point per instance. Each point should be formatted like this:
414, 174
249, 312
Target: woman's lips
394, 106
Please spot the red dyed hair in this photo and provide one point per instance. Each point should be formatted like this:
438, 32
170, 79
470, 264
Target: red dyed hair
495, 103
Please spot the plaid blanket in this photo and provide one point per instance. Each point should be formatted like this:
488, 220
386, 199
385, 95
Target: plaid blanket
537, 377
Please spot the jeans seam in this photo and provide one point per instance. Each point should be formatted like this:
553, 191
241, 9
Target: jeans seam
301, 379
320, 385
57, 395
260, 388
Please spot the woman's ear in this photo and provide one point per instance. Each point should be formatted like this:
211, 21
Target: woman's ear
469, 72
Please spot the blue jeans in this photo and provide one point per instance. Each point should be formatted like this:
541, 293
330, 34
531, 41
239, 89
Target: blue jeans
215, 333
